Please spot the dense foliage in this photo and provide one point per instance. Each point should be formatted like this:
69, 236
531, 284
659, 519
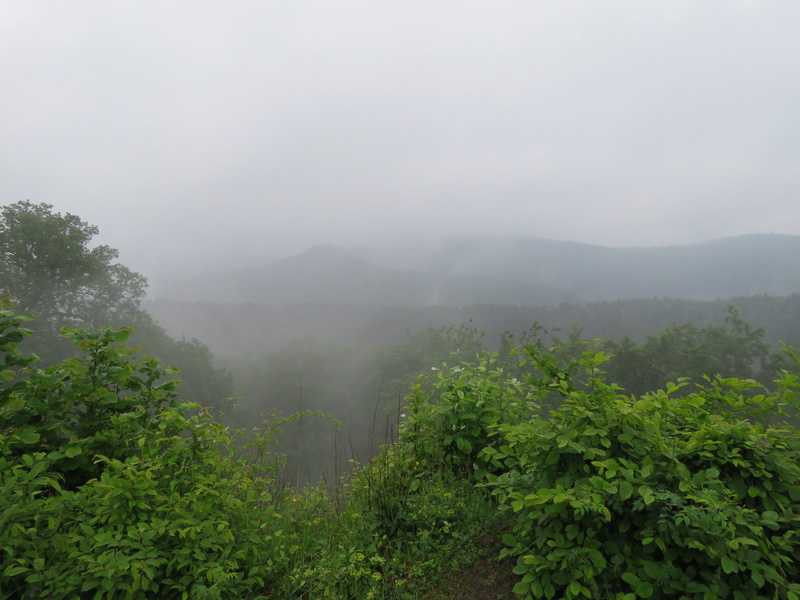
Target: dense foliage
668, 495
50, 266
47, 262
363, 387
111, 487
678, 480
688, 351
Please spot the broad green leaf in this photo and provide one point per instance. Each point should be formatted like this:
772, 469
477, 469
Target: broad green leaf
769, 515
630, 578
13, 569
654, 570
16, 404
522, 588
625, 490
73, 451
28, 436
728, 565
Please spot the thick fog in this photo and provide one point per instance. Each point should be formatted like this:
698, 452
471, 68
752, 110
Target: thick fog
206, 133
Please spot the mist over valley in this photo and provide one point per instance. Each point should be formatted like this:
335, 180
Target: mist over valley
378, 294
399, 300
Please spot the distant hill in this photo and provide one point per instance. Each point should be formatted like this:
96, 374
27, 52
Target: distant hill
344, 276
521, 271
724, 268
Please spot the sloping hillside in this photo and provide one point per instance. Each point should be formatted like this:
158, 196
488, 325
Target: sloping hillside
342, 276
737, 266
524, 271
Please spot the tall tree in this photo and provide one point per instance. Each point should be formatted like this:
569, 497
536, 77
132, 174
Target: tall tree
686, 350
49, 266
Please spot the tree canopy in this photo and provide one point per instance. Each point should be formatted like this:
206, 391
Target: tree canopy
49, 265
51, 268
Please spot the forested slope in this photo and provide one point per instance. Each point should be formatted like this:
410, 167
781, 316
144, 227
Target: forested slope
232, 328
524, 271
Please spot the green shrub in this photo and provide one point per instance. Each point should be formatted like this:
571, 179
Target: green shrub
453, 418
669, 495
112, 488
412, 513
393, 539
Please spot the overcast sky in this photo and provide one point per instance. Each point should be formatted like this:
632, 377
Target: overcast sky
197, 131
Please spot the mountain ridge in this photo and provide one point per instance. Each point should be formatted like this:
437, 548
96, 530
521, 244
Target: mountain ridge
517, 270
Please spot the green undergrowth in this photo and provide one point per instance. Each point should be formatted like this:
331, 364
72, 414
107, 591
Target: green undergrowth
111, 487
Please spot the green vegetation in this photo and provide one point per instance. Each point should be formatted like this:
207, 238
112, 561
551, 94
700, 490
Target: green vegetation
687, 351
364, 388
112, 488
548, 467
49, 265
668, 495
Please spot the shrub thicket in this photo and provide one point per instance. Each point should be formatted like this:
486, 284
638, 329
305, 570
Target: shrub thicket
674, 494
111, 487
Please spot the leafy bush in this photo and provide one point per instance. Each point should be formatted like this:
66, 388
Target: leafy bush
453, 418
402, 526
733, 348
112, 488
662, 496
412, 512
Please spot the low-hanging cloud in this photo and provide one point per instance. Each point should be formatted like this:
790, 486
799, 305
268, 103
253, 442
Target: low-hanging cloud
216, 130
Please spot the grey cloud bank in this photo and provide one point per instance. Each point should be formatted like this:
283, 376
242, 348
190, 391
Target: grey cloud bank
201, 133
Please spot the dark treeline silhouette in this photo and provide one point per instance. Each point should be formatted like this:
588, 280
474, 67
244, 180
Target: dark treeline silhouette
235, 329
